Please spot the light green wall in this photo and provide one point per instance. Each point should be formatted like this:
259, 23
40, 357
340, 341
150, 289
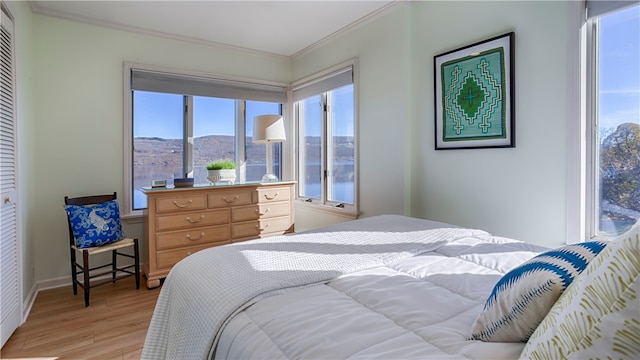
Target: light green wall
79, 97
384, 102
518, 192
72, 143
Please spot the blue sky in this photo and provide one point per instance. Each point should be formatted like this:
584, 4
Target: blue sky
160, 115
619, 87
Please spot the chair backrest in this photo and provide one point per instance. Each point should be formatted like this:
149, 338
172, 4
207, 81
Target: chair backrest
86, 200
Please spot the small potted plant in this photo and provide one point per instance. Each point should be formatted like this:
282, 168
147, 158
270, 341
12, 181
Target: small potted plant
222, 170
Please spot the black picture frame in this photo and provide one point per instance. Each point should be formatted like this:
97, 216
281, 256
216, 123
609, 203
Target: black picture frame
475, 95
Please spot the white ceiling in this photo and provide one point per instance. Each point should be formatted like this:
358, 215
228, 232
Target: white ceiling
284, 28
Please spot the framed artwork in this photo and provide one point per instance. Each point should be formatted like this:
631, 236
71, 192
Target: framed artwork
474, 95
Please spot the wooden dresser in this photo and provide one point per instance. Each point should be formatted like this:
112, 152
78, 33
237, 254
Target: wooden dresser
181, 221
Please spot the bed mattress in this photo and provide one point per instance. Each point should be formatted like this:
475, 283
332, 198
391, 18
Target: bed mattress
421, 307
381, 287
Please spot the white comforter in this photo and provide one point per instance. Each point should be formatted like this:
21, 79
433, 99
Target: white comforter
395, 290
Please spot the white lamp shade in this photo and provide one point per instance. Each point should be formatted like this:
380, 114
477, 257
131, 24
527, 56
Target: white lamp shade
268, 128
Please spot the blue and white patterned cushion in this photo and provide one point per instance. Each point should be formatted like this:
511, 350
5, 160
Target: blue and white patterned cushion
523, 296
95, 225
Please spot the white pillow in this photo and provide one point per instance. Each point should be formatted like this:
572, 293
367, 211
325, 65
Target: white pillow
599, 315
522, 298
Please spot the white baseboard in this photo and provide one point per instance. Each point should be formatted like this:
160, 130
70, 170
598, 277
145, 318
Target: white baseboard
54, 283
28, 303
46, 285
39, 286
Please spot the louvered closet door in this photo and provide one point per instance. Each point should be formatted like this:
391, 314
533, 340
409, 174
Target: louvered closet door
10, 313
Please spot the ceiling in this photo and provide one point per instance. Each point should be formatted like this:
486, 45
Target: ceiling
285, 28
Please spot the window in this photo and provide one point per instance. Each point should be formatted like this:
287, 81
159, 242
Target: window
181, 122
324, 108
613, 115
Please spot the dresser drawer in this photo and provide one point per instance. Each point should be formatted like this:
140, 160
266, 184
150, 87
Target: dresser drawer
181, 203
166, 259
192, 219
260, 227
229, 198
261, 211
199, 236
272, 194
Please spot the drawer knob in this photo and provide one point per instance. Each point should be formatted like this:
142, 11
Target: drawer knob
195, 221
264, 213
264, 228
230, 201
193, 238
270, 197
183, 205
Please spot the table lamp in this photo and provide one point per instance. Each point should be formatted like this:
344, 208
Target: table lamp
268, 129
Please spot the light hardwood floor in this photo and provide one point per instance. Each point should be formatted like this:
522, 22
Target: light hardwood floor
60, 327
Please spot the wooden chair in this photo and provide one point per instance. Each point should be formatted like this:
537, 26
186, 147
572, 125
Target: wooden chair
89, 272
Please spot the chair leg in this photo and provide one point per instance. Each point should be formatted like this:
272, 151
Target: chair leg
74, 273
114, 260
87, 286
136, 262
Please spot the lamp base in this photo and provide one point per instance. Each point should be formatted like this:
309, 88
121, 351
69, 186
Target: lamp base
269, 178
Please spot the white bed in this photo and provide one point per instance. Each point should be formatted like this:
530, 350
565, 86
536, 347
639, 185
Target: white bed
387, 287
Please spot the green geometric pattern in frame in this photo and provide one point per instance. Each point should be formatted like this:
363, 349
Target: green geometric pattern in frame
474, 95
474, 100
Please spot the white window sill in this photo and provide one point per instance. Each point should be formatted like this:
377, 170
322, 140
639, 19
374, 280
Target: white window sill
133, 218
346, 213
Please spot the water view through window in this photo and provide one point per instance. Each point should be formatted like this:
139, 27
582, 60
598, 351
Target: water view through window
333, 152
159, 138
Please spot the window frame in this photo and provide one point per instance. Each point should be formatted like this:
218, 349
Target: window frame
589, 199
591, 137
349, 211
128, 212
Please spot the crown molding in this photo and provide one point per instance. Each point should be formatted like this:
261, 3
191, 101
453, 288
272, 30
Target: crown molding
37, 9
358, 23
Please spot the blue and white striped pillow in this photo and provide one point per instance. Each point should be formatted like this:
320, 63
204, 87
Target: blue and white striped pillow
523, 296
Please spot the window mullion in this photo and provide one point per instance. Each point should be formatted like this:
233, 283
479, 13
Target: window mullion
241, 139
187, 163
595, 136
300, 168
592, 130
323, 151
329, 148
